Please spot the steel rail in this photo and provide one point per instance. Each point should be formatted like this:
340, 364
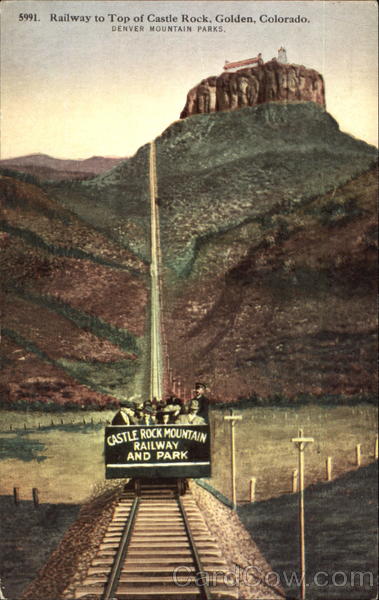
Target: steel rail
205, 592
114, 576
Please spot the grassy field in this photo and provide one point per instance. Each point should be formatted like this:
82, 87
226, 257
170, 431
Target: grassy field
265, 451
65, 462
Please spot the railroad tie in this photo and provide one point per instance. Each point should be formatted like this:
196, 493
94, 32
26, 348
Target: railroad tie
167, 545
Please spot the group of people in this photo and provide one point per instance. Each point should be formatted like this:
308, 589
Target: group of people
169, 411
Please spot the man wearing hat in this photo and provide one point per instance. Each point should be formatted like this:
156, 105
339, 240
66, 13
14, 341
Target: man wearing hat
147, 414
192, 417
125, 414
138, 404
202, 400
168, 415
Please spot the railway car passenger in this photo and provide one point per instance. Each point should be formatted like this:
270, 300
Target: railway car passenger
147, 415
138, 408
126, 414
200, 389
192, 417
167, 415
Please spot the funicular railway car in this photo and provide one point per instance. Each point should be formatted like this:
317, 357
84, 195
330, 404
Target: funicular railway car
157, 451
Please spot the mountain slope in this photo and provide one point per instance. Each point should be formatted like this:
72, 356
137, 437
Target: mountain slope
57, 275
268, 236
268, 233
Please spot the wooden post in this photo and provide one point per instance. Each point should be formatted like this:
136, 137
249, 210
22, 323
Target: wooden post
61, 421
11, 426
35, 497
301, 443
295, 479
84, 420
253, 482
358, 455
329, 468
52, 422
16, 495
376, 449
233, 418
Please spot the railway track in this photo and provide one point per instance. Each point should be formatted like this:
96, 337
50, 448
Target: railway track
156, 547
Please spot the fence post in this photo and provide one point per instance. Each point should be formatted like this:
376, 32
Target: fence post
253, 482
16, 495
295, 478
376, 449
358, 455
35, 497
329, 468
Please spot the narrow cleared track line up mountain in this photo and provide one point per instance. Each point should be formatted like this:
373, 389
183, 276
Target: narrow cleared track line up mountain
155, 311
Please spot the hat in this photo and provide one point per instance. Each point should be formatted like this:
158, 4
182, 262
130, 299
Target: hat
126, 403
200, 385
148, 409
170, 408
176, 401
138, 403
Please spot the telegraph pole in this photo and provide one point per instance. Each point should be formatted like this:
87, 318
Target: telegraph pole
233, 419
301, 443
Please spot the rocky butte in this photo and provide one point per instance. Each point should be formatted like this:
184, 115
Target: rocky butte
272, 81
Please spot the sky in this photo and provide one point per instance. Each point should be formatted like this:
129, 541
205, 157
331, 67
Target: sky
78, 89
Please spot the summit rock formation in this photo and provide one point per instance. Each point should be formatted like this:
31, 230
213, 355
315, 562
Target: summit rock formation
269, 82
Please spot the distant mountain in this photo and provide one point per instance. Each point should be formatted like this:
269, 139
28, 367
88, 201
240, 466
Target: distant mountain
48, 167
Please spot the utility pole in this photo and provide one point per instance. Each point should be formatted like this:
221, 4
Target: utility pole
301, 443
233, 419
